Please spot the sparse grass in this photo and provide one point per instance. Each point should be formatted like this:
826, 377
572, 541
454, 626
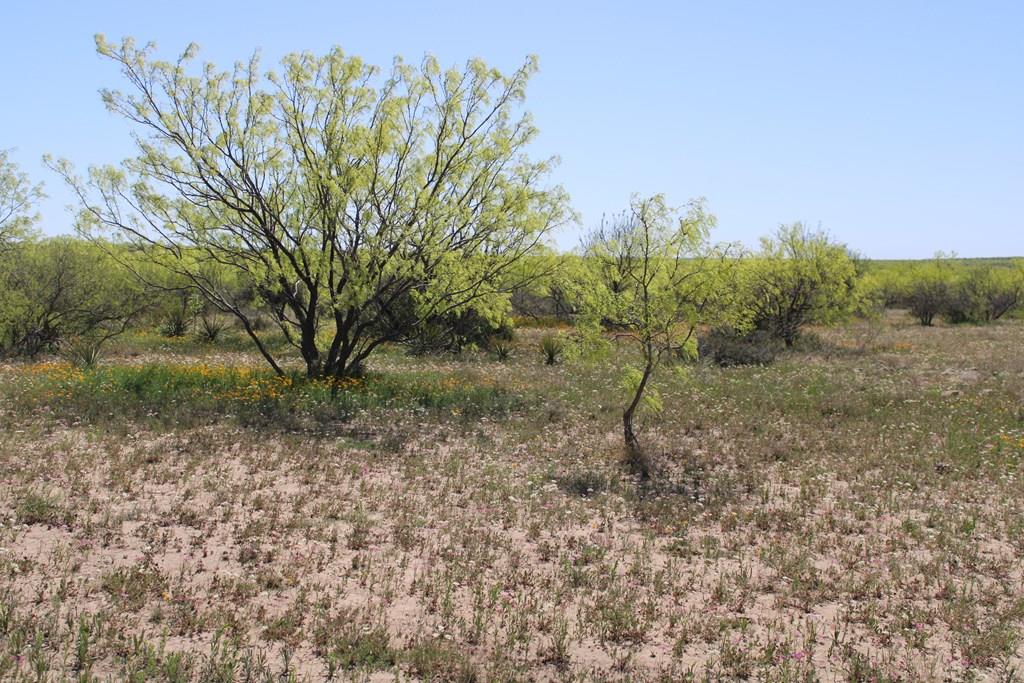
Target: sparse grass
32, 507
436, 660
132, 587
847, 513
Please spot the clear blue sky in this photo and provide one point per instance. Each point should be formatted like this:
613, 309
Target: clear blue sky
897, 125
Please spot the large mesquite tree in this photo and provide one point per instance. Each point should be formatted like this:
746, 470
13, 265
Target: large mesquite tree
355, 203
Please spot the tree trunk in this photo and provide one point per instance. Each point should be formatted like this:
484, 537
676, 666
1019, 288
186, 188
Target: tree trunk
637, 460
632, 444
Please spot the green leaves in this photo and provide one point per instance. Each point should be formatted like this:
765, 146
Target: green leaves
650, 277
354, 202
630, 383
59, 291
18, 198
799, 276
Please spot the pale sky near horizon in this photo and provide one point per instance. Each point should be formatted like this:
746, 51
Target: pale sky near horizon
897, 126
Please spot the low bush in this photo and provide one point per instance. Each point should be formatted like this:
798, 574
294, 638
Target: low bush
927, 292
58, 289
727, 347
983, 295
552, 348
799, 277
211, 326
83, 351
501, 348
455, 332
175, 323
583, 483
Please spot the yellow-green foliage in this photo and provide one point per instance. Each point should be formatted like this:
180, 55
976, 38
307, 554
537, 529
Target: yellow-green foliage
61, 290
18, 197
927, 289
650, 276
354, 206
958, 290
799, 276
982, 294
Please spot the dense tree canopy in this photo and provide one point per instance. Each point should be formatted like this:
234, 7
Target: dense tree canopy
356, 204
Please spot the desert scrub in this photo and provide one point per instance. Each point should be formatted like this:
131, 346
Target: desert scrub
199, 393
831, 516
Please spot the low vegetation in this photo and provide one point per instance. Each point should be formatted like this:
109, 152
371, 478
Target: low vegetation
310, 398
847, 512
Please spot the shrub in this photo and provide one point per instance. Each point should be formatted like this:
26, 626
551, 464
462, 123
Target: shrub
884, 286
178, 311
727, 347
927, 290
55, 290
799, 277
983, 294
211, 326
583, 483
552, 348
500, 347
84, 351
452, 332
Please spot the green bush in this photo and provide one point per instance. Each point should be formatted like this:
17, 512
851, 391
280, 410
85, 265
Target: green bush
552, 348
55, 290
454, 332
176, 313
799, 277
727, 347
983, 294
211, 326
500, 347
927, 290
83, 351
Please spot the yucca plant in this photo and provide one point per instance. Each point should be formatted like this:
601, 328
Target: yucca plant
84, 352
211, 326
552, 347
501, 348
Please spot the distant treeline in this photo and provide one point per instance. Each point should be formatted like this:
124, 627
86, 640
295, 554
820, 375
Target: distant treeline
957, 290
70, 294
